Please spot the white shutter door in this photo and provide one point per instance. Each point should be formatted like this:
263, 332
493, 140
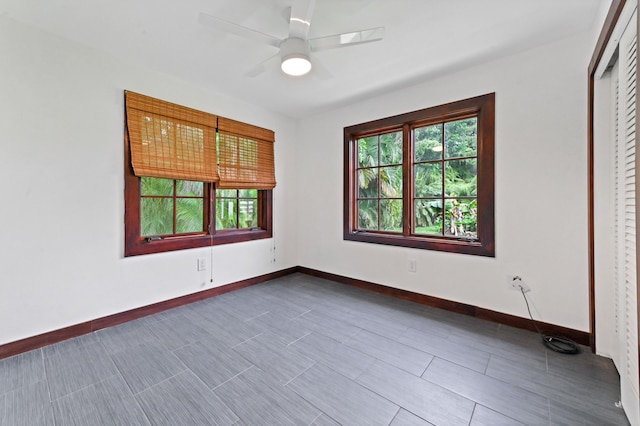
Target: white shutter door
626, 227
618, 218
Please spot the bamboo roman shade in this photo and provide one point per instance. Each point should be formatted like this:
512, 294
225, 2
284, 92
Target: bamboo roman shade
170, 141
245, 156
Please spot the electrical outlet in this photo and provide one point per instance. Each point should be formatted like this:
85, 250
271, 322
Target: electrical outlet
515, 282
202, 264
412, 265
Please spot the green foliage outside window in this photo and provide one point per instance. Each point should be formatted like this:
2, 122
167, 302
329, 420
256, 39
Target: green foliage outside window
169, 207
175, 207
380, 182
444, 167
236, 209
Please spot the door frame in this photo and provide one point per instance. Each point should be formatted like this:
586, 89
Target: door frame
611, 20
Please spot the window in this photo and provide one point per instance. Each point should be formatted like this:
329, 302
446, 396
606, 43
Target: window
236, 209
171, 207
424, 179
193, 179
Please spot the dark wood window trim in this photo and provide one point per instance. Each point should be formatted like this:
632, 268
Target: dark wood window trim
135, 244
482, 107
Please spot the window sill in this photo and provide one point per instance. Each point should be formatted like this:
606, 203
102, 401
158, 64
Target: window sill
239, 235
142, 246
445, 244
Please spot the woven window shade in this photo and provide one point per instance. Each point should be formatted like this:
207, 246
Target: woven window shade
170, 141
245, 156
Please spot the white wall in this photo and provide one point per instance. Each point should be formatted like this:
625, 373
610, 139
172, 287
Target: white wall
61, 257
541, 189
62, 208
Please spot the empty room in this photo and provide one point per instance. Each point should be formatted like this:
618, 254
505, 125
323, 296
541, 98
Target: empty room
318, 212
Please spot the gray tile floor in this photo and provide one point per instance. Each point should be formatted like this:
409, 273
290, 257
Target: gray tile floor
304, 351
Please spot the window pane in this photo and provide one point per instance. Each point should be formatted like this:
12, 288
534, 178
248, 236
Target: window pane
461, 138
391, 148
248, 193
189, 215
226, 213
156, 216
156, 186
368, 183
391, 182
461, 217
428, 180
391, 215
248, 213
428, 143
368, 214
189, 188
428, 217
230, 193
461, 178
368, 152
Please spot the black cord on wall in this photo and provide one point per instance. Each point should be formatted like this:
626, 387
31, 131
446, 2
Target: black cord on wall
558, 344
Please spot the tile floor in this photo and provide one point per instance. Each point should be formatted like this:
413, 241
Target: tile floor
304, 351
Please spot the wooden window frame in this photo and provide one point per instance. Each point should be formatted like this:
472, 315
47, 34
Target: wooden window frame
482, 107
135, 244
238, 202
174, 197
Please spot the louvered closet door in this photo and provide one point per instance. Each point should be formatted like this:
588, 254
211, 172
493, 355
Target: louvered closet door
626, 220
618, 218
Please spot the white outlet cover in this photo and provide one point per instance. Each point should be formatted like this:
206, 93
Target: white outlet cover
202, 264
514, 282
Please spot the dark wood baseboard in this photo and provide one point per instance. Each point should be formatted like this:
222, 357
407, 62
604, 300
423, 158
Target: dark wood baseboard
581, 337
35, 342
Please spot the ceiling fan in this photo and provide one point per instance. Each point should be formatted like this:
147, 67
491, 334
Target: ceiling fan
295, 50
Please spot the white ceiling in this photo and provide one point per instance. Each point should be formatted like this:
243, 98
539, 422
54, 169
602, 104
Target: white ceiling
423, 39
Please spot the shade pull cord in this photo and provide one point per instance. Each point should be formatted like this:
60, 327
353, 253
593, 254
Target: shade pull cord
210, 256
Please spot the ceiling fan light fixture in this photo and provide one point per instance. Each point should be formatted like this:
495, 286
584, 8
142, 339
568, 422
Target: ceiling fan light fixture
296, 65
295, 57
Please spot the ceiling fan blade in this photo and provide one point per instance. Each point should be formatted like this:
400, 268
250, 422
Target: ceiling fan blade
300, 20
239, 30
263, 66
346, 39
